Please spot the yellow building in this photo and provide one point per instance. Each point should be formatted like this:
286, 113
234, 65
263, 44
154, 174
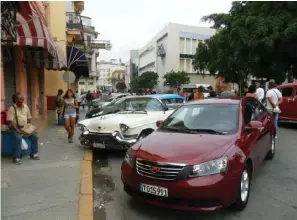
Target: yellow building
55, 13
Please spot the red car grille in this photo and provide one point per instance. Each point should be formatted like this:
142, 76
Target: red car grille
154, 170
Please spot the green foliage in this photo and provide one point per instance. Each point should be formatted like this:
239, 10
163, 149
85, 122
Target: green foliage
121, 86
257, 38
174, 79
147, 80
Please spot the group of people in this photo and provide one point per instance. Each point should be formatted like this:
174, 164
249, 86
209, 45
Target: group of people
271, 99
197, 93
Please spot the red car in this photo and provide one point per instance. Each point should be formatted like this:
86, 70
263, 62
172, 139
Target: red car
289, 105
201, 157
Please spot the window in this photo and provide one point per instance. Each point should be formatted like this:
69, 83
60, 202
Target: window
182, 45
217, 117
90, 63
188, 46
90, 83
181, 65
194, 46
248, 113
81, 83
287, 91
89, 39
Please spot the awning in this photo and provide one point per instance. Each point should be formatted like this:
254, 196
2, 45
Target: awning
32, 31
77, 62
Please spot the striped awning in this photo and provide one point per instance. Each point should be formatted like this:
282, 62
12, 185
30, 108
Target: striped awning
32, 31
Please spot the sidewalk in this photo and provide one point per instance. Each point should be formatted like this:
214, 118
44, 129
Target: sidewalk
47, 189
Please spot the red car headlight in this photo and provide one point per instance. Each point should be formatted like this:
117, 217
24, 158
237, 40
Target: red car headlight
210, 167
129, 157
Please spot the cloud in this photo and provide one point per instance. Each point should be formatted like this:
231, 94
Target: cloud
130, 24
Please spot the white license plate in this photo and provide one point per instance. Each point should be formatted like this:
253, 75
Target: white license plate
99, 145
155, 190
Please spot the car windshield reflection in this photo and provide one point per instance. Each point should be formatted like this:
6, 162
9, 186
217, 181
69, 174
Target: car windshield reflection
141, 104
204, 118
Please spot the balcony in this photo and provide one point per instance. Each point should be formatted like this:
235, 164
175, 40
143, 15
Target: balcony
73, 21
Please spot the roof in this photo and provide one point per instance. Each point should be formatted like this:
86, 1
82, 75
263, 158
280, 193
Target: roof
232, 101
167, 96
288, 84
159, 96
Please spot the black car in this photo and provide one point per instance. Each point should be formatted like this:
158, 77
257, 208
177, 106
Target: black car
110, 108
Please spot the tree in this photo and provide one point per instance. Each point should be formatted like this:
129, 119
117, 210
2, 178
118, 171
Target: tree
256, 38
175, 79
134, 85
148, 80
121, 86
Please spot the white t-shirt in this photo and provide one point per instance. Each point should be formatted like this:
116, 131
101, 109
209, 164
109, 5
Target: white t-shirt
275, 94
78, 97
260, 94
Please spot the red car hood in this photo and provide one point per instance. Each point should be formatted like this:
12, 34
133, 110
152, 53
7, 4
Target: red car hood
183, 148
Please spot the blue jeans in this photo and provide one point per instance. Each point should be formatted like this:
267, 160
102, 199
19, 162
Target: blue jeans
17, 144
275, 121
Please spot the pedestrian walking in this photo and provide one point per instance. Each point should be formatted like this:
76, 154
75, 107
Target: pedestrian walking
252, 92
59, 102
89, 98
69, 106
274, 98
19, 120
259, 92
212, 93
182, 93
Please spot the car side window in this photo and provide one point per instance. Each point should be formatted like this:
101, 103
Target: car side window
178, 100
287, 91
166, 101
247, 113
258, 109
154, 105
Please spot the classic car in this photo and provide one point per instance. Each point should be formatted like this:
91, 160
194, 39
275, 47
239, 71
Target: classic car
202, 157
99, 102
289, 105
171, 100
136, 120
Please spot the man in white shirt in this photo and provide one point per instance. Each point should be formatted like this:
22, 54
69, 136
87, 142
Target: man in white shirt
260, 93
274, 98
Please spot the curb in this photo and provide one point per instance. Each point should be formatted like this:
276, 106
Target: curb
85, 211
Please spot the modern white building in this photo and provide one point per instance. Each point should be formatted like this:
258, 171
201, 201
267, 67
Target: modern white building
173, 48
110, 72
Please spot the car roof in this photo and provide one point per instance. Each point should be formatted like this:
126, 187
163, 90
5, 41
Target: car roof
287, 84
224, 100
167, 96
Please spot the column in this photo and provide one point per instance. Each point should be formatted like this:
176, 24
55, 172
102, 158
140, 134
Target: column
20, 72
34, 92
2, 84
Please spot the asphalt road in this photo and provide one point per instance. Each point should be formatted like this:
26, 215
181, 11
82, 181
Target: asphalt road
273, 193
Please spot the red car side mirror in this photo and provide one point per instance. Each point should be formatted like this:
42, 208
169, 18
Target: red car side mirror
159, 123
254, 125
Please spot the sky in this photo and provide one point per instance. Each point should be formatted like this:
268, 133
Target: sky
130, 24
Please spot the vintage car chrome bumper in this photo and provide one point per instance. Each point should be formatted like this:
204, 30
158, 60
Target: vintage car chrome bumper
113, 141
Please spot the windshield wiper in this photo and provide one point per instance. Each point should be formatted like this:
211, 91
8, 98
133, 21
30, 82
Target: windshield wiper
211, 131
180, 130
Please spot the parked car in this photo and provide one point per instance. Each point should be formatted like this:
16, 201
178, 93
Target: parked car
136, 120
99, 102
171, 100
289, 105
189, 88
201, 157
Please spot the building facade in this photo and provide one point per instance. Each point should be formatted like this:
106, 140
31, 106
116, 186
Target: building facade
110, 73
30, 56
81, 33
173, 48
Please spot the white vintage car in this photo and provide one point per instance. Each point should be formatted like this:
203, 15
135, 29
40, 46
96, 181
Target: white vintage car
121, 130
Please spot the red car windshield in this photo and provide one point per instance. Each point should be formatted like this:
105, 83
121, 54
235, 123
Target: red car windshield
209, 118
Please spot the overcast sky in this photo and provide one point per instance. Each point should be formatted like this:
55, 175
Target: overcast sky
130, 24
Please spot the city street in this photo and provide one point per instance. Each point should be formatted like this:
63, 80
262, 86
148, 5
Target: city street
273, 194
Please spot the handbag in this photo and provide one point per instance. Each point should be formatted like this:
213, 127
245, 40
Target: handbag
28, 129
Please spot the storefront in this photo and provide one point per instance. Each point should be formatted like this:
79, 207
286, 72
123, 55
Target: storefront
32, 51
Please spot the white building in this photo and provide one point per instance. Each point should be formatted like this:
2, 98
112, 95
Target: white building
173, 48
111, 72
